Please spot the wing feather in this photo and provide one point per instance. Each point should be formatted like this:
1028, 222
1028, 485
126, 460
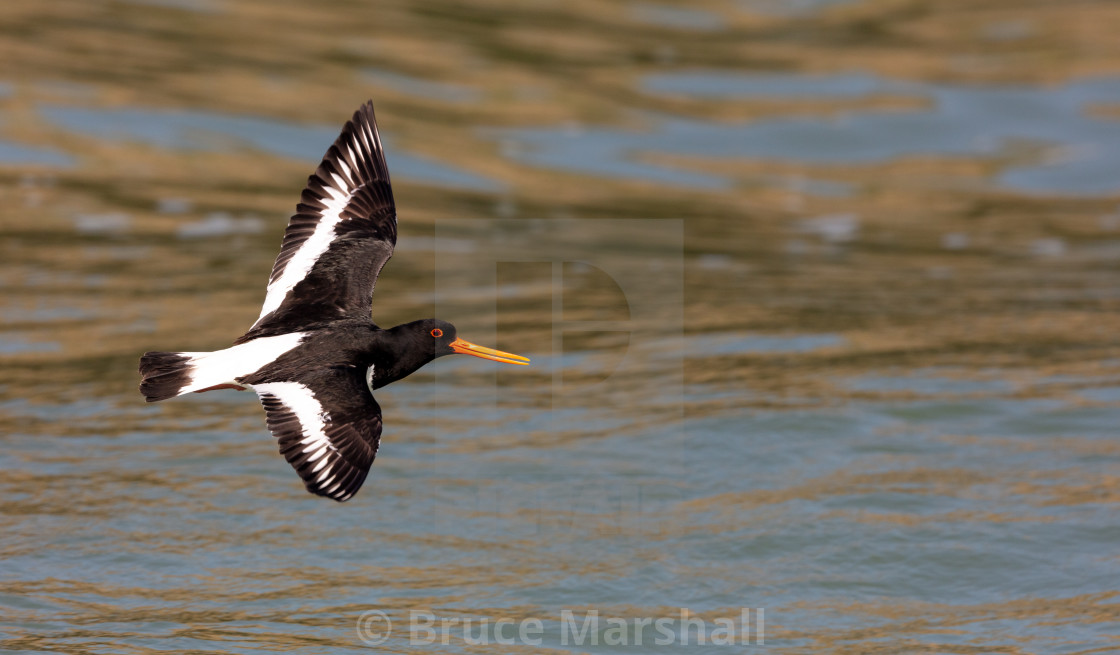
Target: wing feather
343, 232
328, 428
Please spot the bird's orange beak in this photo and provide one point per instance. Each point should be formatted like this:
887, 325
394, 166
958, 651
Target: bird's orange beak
468, 348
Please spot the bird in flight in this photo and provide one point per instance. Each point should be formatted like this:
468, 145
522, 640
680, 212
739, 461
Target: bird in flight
315, 356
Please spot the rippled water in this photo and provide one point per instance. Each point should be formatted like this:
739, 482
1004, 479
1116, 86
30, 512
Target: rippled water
821, 298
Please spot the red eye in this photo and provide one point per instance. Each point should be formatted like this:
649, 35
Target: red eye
437, 333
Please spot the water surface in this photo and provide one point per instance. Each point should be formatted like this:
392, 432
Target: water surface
821, 298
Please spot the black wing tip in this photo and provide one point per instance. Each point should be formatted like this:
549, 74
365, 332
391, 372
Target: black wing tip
342, 494
371, 157
366, 112
340, 489
366, 115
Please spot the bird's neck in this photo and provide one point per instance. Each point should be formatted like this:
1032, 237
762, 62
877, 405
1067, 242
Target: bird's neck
396, 354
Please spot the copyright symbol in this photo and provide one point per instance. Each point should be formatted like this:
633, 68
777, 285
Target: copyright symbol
374, 627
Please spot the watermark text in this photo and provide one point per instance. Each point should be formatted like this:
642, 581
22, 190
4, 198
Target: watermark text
571, 628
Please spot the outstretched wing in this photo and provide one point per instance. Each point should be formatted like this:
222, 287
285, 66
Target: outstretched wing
343, 232
328, 426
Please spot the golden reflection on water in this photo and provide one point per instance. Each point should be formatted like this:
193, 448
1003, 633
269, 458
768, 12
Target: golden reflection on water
962, 382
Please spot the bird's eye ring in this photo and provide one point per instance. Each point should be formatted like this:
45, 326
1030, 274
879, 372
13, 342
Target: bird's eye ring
437, 333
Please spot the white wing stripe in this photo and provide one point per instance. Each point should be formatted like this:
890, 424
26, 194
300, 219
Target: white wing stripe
301, 402
345, 170
353, 155
372, 141
362, 139
308, 253
318, 453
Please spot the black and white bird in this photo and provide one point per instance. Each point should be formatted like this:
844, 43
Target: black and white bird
315, 356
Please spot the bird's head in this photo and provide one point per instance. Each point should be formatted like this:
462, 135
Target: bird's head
440, 338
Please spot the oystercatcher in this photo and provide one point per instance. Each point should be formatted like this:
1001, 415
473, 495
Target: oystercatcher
315, 356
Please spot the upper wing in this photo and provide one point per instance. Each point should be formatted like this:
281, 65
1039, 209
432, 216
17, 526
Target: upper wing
328, 426
343, 232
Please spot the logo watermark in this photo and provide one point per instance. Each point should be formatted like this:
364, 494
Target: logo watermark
603, 301
571, 628
374, 627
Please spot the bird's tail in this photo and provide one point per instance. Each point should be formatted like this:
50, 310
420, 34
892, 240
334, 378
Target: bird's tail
165, 375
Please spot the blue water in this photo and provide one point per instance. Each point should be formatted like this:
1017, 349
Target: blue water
676, 17
960, 121
200, 130
790, 7
14, 153
845, 508
422, 88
